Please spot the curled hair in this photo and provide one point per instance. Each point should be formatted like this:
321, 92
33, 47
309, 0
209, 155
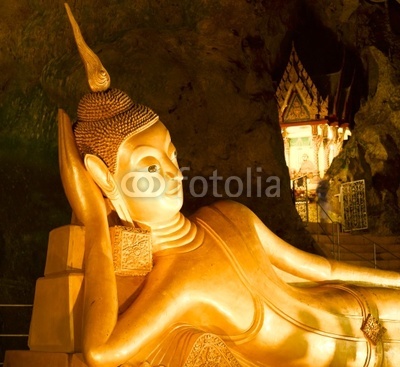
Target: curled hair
105, 120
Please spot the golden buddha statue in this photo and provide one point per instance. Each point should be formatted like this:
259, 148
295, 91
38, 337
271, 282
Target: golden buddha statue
216, 289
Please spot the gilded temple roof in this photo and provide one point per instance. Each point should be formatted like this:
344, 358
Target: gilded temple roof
297, 96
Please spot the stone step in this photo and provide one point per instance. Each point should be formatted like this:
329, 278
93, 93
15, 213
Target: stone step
362, 249
381, 264
383, 241
357, 244
350, 256
381, 253
384, 260
388, 264
315, 228
12, 343
358, 237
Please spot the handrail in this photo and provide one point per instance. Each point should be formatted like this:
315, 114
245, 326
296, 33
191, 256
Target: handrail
373, 262
14, 305
297, 178
381, 247
335, 230
293, 180
4, 305
337, 246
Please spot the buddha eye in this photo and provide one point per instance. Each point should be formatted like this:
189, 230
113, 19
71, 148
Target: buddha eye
174, 155
153, 168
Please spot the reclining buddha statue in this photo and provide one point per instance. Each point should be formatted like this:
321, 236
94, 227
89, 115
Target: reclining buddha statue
217, 288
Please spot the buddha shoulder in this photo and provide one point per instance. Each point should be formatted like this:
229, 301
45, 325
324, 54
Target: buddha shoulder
227, 212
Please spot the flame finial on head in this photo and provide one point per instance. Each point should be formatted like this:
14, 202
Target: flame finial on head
106, 116
97, 75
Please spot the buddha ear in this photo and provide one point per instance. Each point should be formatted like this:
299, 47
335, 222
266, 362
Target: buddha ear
100, 174
104, 179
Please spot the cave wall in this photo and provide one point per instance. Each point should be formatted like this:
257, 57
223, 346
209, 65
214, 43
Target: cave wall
372, 154
371, 30
208, 69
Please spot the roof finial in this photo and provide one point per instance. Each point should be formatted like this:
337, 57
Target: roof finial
97, 75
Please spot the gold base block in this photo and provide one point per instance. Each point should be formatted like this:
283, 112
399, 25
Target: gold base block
26, 358
57, 314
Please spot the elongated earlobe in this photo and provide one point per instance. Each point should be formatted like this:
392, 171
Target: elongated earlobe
104, 179
100, 173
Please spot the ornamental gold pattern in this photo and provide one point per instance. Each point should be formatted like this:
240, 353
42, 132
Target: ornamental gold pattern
131, 251
372, 329
210, 351
296, 83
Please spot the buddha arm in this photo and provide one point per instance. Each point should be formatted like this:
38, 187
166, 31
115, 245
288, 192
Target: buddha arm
142, 326
316, 268
299, 263
86, 200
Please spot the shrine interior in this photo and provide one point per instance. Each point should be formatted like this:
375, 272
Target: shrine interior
305, 92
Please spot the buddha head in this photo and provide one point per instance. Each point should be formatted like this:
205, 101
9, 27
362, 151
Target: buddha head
125, 147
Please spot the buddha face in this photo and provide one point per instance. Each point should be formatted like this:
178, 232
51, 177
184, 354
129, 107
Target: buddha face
148, 176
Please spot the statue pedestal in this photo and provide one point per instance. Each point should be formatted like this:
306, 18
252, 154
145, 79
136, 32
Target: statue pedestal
26, 358
56, 324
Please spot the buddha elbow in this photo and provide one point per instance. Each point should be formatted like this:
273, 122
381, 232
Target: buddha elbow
95, 358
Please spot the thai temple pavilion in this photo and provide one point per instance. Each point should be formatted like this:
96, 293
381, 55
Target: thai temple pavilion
313, 122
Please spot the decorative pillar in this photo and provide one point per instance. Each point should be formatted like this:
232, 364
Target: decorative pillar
339, 141
316, 143
286, 145
326, 145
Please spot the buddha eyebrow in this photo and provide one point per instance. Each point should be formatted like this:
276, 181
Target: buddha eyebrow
168, 141
140, 151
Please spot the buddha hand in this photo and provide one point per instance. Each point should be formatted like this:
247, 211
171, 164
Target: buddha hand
83, 194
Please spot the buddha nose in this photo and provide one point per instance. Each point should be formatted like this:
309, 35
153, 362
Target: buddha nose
173, 172
176, 175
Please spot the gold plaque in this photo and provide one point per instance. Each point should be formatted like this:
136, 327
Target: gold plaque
209, 350
131, 251
372, 329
